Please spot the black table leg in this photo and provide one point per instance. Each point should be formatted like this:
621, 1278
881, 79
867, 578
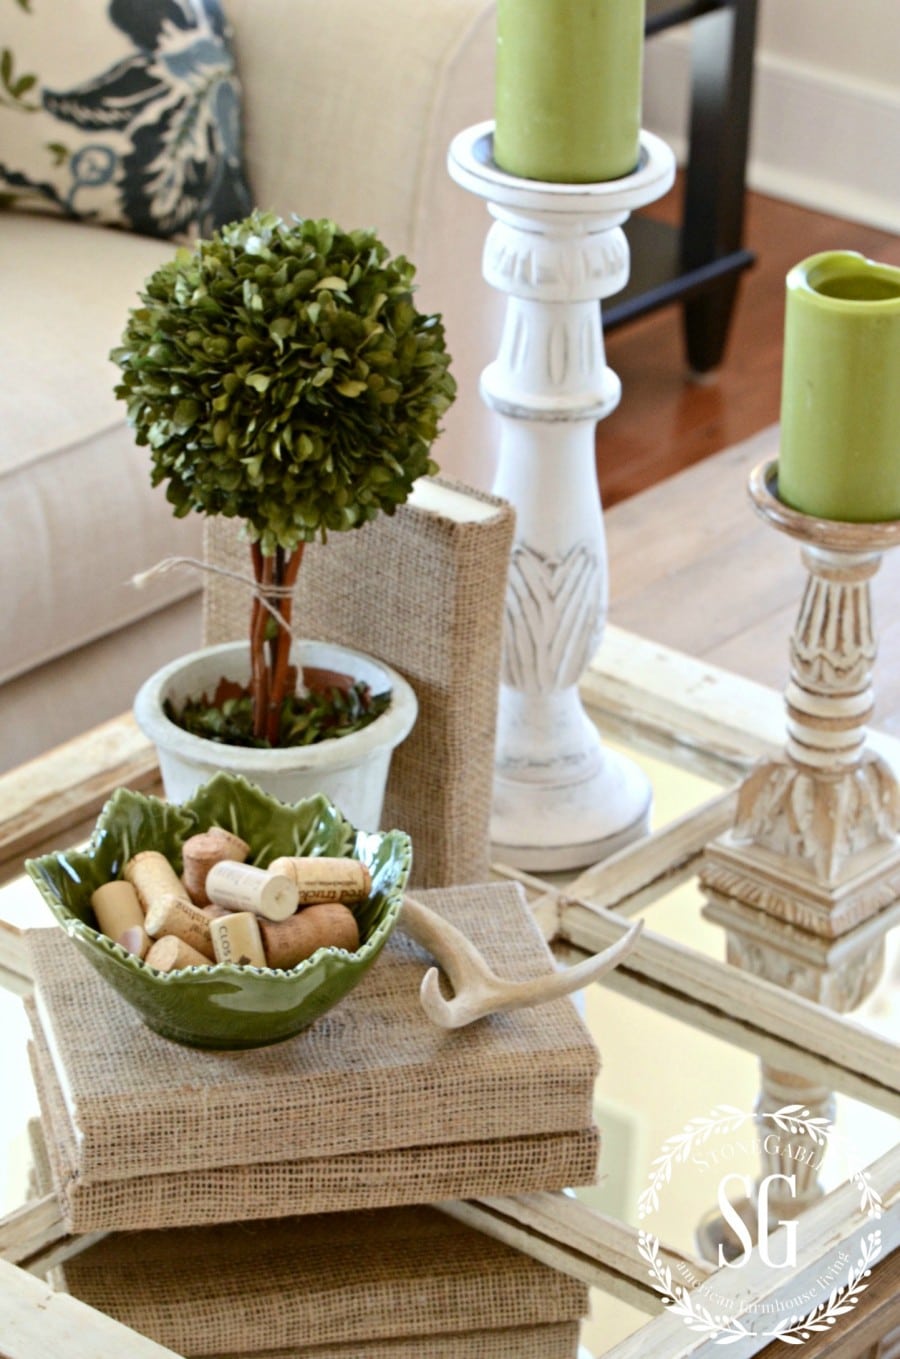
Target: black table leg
722, 78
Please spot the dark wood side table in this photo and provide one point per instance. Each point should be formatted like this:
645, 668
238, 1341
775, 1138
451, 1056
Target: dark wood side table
700, 262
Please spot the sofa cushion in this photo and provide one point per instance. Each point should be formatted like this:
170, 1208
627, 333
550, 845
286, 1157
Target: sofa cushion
419, 74
77, 512
123, 112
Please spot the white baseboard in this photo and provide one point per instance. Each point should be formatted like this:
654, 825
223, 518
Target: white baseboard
819, 138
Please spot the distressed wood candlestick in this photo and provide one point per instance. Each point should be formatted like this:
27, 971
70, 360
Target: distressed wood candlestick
561, 799
816, 838
806, 882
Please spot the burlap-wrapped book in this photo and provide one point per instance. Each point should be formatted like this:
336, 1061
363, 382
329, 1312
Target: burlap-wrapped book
409, 1279
405, 1283
371, 1106
423, 590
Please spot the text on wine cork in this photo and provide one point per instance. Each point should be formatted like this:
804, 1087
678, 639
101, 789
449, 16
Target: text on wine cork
320, 878
174, 915
236, 939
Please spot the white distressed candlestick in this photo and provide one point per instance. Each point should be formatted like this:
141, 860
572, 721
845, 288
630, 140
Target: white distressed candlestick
561, 799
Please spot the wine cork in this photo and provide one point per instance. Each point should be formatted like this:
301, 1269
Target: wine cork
153, 877
289, 942
241, 887
236, 939
319, 878
174, 915
171, 953
213, 912
200, 852
117, 908
136, 940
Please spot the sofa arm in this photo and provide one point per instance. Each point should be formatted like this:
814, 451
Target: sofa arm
350, 110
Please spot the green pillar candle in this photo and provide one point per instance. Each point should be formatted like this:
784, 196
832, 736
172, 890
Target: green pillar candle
568, 91
840, 393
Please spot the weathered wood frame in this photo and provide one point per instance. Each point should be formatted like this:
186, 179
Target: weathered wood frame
690, 713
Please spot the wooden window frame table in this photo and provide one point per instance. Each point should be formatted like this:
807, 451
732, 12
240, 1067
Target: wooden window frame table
692, 715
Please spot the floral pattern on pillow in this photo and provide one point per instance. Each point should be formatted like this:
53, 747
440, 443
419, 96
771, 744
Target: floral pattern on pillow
150, 140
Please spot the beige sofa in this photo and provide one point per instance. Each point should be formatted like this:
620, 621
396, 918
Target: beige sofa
350, 108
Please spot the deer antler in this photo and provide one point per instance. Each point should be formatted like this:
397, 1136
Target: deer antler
478, 991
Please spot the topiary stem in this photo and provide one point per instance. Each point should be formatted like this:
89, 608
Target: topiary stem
286, 577
259, 672
274, 634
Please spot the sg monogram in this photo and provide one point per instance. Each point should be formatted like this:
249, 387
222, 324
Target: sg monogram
771, 1144
737, 1223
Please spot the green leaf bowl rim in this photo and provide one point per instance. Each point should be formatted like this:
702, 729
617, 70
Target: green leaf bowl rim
42, 870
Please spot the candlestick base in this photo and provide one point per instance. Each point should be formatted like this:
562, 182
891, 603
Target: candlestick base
839, 972
551, 826
784, 888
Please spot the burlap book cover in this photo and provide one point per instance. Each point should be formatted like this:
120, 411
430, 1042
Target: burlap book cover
330, 1184
370, 1106
343, 1280
424, 592
417, 1257
559, 1341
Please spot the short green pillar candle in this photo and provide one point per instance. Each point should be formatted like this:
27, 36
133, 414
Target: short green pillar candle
568, 90
840, 394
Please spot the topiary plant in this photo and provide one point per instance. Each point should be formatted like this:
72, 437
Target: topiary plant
280, 374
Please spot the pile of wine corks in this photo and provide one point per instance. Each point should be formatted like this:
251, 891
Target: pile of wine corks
224, 910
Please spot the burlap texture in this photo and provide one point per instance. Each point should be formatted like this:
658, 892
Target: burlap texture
519, 1342
424, 1275
338, 1278
371, 1106
412, 1175
419, 1242
424, 593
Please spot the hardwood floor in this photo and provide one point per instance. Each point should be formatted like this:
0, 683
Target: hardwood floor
667, 420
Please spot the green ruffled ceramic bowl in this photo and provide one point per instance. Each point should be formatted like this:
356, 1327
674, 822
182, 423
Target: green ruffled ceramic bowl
222, 1005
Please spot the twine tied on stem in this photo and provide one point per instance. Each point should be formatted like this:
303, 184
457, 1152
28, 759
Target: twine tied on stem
272, 593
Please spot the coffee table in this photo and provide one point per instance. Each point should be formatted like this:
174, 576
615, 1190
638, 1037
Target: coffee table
680, 1030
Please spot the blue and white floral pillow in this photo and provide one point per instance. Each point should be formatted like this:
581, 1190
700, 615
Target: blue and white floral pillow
121, 112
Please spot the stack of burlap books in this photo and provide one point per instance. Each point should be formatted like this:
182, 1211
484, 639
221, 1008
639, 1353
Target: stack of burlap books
272, 1202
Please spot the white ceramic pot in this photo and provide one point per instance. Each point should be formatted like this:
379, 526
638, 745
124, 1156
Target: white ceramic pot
351, 770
